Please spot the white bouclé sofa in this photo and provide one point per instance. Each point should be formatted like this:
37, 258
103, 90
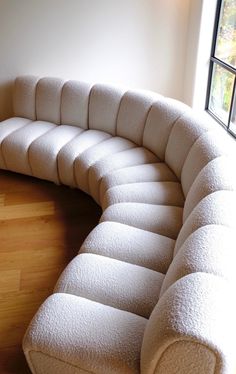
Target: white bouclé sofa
152, 290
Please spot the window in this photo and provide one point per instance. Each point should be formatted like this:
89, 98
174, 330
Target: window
221, 92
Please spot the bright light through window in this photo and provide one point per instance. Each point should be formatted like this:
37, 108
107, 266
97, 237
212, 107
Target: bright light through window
221, 98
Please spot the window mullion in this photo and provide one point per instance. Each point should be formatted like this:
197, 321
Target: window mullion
221, 87
232, 102
213, 48
223, 64
216, 26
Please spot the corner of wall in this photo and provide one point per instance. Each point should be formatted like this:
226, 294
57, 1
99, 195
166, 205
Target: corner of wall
200, 32
195, 15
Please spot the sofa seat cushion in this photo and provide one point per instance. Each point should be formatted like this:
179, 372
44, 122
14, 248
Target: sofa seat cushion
132, 288
94, 154
160, 219
130, 244
67, 155
130, 157
95, 338
154, 172
7, 127
44, 150
162, 193
15, 146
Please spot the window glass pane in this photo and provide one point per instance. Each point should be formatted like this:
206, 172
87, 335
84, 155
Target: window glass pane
226, 37
233, 118
221, 92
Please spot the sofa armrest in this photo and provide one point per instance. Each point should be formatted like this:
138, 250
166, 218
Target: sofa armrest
192, 328
70, 334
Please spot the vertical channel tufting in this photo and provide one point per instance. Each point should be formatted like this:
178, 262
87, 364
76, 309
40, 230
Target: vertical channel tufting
183, 135
104, 105
24, 97
48, 100
74, 104
133, 113
207, 147
216, 175
208, 250
161, 118
217, 208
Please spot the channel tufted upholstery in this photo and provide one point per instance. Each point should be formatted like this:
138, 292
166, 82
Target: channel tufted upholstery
152, 288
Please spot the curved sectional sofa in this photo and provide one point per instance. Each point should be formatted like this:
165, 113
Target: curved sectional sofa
152, 289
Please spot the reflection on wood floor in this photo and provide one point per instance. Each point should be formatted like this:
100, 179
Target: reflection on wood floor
41, 229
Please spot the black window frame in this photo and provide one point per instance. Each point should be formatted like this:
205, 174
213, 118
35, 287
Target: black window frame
217, 61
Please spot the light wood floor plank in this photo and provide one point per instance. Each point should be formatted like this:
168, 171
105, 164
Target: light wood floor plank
2, 199
10, 280
42, 227
27, 210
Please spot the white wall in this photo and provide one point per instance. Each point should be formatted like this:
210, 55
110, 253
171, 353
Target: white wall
136, 43
200, 34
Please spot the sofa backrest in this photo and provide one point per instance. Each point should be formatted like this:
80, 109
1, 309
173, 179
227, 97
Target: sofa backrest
48, 100
218, 174
185, 132
185, 140
24, 104
74, 103
104, 104
162, 116
144, 117
132, 115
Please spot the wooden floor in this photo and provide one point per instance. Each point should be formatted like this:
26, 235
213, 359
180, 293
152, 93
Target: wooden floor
41, 229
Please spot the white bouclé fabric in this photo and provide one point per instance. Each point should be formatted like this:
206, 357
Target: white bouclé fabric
48, 100
132, 288
95, 338
189, 357
73, 149
122, 159
24, 97
7, 127
44, 363
160, 219
162, 193
133, 113
104, 105
155, 172
217, 208
15, 147
43, 151
74, 104
130, 244
186, 130
208, 250
161, 118
84, 161
215, 176
197, 309
208, 147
